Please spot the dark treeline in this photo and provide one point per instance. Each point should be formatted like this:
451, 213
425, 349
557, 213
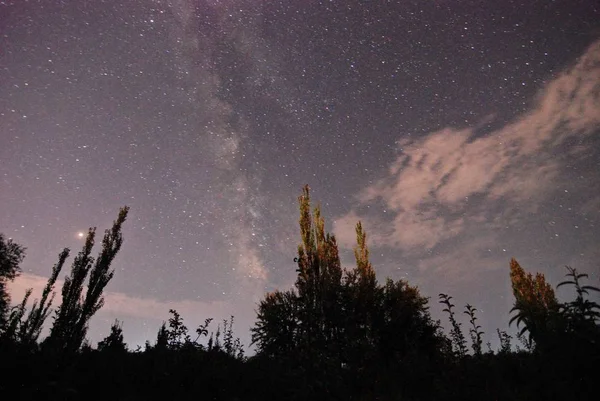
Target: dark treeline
338, 334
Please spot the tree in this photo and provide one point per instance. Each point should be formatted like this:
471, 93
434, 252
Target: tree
11, 256
114, 341
162, 337
535, 305
318, 283
363, 297
15, 318
73, 315
277, 324
340, 323
31, 328
308, 317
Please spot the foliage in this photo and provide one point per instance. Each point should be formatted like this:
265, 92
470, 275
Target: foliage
475, 330
336, 322
177, 335
72, 317
338, 334
31, 328
162, 338
459, 344
581, 315
505, 341
15, 318
535, 304
230, 345
114, 341
11, 256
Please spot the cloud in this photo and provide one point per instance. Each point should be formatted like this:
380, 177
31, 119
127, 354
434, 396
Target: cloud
117, 303
443, 182
142, 314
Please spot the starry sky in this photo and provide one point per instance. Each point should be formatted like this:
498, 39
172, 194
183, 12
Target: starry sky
461, 133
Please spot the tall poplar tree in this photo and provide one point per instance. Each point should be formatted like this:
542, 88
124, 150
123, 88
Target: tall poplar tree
319, 276
340, 315
31, 328
72, 317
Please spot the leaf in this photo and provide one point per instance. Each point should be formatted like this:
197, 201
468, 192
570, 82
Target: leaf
589, 287
565, 283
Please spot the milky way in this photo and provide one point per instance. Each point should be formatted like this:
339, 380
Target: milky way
462, 133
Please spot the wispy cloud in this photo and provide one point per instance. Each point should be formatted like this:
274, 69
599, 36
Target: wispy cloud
444, 182
123, 305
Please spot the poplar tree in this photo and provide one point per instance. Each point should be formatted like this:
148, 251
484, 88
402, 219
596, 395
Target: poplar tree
308, 317
72, 317
319, 277
336, 316
31, 328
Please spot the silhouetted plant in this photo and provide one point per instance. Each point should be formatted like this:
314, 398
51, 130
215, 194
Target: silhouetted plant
525, 342
15, 319
73, 315
581, 310
114, 341
31, 328
337, 323
277, 325
505, 341
231, 346
475, 330
202, 330
11, 256
177, 332
368, 341
162, 338
458, 339
86, 346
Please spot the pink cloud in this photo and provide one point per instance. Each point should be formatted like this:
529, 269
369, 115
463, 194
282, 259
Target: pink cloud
122, 304
441, 171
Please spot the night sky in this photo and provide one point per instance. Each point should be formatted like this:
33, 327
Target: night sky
461, 133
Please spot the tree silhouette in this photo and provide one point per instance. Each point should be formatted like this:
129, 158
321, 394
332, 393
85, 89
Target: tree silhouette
337, 334
72, 317
11, 256
162, 338
340, 323
14, 320
277, 326
114, 341
31, 328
